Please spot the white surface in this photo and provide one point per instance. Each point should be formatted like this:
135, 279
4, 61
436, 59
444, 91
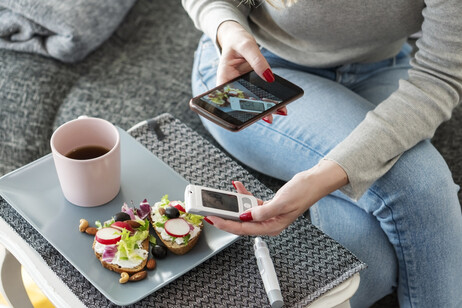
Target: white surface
339, 296
11, 284
51, 285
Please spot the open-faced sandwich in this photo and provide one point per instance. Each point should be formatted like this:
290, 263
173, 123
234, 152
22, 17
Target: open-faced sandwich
122, 243
178, 230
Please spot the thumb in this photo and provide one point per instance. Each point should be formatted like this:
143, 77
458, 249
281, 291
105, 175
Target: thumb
264, 212
259, 64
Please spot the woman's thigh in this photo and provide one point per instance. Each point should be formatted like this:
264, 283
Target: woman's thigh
417, 206
407, 228
362, 234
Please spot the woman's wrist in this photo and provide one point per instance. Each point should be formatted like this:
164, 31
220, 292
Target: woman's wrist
324, 178
223, 28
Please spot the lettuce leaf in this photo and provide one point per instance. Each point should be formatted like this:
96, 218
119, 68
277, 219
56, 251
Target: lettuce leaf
164, 201
128, 243
106, 224
194, 219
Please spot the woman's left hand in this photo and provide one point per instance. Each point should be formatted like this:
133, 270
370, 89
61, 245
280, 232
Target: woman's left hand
292, 200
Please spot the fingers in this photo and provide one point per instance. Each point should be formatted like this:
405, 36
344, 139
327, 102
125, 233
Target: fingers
273, 227
228, 70
258, 62
240, 188
270, 209
268, 119
269, 218
282, 111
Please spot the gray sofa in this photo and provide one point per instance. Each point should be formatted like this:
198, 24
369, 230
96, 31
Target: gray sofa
141, 71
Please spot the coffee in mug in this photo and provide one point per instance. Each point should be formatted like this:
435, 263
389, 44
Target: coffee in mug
86, 153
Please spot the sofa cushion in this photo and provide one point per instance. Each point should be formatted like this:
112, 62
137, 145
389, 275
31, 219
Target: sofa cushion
143, 70
63, 29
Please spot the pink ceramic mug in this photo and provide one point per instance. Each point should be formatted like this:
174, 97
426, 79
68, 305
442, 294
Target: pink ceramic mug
86, 153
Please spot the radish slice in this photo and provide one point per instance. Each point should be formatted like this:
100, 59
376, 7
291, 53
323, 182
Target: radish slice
122, 225
107, 236
176, 227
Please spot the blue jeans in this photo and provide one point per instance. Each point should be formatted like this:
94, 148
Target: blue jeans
407, 227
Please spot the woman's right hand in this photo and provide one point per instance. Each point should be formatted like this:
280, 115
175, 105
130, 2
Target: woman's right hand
240, 54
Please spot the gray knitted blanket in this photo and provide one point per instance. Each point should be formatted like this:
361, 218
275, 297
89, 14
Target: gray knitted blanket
66, 30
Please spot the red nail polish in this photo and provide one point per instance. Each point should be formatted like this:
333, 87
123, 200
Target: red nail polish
280, 112
234, 185
246, 216
268, 74
208, 220
266, 120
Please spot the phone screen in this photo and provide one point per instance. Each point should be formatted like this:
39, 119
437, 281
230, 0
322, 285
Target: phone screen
219, 201
243, 99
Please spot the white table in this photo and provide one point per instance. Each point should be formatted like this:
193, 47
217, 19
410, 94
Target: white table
14, 252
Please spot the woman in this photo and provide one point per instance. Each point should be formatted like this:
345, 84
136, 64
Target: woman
355, 149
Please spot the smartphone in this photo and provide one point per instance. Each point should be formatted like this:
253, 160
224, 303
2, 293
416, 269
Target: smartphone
240, 102
207, 201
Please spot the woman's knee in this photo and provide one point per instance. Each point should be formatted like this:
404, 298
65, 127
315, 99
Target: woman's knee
419, 183
361, 233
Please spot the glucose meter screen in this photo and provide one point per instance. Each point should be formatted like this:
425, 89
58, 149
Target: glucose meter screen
249, 105
226, 202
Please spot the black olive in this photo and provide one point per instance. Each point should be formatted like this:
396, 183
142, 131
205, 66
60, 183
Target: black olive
172, 212
159, 251
121, 216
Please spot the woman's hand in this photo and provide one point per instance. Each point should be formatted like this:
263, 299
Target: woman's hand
291, 201
239, 55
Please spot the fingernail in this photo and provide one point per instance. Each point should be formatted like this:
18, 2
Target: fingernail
280, 112
266, 120
268, 74
246, 216
234, 185
208, 220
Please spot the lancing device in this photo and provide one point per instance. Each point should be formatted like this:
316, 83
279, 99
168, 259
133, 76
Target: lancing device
268, 274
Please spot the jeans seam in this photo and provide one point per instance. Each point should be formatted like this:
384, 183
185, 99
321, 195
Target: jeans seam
399, 241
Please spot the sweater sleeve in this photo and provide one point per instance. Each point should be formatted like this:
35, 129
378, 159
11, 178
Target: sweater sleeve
208, 15
416, 109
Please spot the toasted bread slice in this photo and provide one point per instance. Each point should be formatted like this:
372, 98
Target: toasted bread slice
117, 268
183, 248
173, 246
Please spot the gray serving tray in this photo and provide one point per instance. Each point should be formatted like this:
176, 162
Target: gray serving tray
34, 192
